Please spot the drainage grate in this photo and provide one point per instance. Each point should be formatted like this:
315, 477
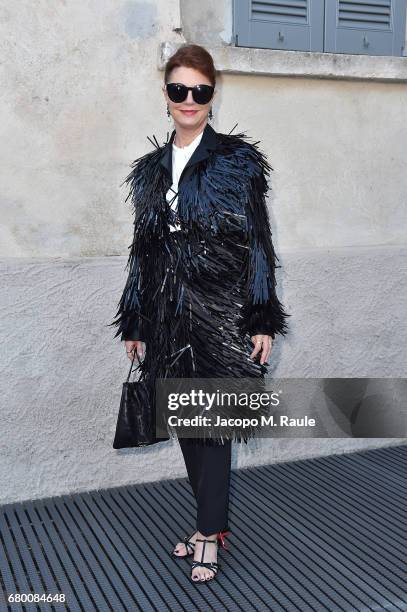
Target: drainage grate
320, 534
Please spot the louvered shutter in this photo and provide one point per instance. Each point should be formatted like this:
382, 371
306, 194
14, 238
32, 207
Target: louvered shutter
296, 25
373, 28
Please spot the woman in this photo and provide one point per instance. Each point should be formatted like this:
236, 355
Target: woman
200, 294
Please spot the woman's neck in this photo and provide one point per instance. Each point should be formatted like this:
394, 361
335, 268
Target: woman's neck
184, 136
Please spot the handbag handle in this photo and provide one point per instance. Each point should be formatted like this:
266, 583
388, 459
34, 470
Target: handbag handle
132, 363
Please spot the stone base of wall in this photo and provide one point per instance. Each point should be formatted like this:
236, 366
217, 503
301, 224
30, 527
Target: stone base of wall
62, 371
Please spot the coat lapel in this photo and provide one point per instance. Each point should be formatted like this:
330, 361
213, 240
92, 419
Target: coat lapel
208, 143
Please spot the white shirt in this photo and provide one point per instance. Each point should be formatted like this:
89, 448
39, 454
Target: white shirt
180, 157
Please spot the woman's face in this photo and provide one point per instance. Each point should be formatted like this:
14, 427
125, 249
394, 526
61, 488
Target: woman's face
189, 77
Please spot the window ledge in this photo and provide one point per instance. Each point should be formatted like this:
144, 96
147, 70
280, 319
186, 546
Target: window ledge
274, 62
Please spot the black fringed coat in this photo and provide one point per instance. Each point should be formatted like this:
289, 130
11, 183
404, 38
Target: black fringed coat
196, 296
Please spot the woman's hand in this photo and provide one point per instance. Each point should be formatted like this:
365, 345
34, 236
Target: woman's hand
134, 344
264, 344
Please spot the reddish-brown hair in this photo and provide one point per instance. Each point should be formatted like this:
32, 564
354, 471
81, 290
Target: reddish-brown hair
192, 56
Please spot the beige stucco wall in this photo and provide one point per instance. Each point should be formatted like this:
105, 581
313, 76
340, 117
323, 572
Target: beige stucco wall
80, 94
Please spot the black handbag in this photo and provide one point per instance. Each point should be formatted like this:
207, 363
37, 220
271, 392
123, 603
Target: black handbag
136, 419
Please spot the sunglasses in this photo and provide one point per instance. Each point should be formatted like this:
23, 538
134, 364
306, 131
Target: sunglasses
201, 94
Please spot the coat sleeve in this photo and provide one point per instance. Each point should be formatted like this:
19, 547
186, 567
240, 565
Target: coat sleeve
128, 316
262, 312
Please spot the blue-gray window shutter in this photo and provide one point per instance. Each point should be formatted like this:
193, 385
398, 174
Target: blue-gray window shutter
295, 25
372, 28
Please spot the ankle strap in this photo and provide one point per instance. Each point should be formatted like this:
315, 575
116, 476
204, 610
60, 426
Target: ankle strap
210, 541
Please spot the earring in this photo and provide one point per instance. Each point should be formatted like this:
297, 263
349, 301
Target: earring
210, 115
168, 114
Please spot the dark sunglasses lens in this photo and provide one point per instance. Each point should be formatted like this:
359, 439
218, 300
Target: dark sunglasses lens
177, 92
202, 94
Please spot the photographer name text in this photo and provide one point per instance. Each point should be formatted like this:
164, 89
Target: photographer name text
264, 421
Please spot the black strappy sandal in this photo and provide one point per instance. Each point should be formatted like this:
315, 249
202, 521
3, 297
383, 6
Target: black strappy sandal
211, 565
189, 548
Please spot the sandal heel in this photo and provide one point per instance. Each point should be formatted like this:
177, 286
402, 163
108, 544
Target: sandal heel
221, 539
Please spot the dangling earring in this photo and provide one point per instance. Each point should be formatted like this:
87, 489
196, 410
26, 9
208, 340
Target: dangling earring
210, 115
169, 117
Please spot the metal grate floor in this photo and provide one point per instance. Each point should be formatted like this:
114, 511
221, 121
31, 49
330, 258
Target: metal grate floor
316, 534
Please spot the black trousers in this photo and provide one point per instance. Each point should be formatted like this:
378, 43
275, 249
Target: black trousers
208, 468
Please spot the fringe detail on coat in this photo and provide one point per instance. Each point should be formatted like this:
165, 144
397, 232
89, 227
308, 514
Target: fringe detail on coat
196, 296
